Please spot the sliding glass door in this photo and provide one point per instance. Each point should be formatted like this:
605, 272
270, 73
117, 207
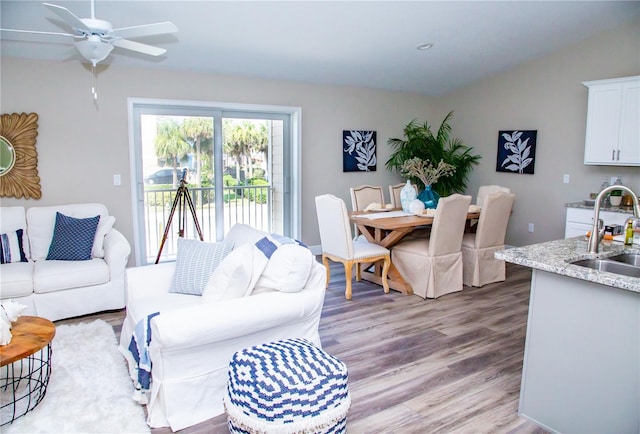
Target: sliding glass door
198, 170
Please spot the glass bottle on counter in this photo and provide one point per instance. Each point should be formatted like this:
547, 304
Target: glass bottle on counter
628, 235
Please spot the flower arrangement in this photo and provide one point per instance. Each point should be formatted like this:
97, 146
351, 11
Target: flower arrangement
424, 170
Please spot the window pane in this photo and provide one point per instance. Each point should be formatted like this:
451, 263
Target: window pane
176, 148
245, 147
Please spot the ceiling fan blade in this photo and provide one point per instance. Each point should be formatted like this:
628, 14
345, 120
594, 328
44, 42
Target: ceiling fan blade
39, 33
67, 16
140, 48
145, 30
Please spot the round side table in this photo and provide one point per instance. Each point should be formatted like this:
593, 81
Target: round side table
25, 367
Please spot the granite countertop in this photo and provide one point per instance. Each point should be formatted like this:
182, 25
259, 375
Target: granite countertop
554, 257
620, 209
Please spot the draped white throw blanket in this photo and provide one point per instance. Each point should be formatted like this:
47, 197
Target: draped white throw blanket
138, 359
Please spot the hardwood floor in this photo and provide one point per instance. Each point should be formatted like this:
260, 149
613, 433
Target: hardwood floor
422, 366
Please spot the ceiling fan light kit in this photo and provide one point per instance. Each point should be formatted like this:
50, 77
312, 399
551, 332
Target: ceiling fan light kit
93, 49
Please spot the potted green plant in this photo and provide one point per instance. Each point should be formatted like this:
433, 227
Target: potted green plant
420, 142
615, 197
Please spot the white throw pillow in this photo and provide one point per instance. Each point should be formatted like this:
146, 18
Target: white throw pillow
104, 226
242, 234
289, 264
236, 275
195, 262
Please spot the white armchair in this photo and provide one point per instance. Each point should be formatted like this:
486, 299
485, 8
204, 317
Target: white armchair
193, 340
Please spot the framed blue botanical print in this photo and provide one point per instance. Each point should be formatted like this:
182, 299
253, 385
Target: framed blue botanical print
358, 151
516, 151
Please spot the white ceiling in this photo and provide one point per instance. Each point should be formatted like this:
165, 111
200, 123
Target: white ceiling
356, 43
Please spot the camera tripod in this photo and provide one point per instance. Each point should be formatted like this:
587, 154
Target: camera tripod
181, 201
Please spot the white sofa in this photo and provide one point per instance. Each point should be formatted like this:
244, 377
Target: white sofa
57, 289
192, 340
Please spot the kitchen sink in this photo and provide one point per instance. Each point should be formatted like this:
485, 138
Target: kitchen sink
611, 266
627, 258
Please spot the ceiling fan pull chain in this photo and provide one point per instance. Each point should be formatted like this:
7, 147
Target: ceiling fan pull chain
94, 86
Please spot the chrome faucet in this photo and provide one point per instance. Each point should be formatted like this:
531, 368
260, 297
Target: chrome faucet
597, 231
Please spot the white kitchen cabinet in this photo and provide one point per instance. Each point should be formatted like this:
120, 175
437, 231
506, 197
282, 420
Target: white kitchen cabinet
613, 122
579, 220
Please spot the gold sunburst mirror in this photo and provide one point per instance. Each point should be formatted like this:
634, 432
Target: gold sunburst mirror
18, 156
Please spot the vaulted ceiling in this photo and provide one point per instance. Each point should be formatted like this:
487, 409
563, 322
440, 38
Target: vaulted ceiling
357, 43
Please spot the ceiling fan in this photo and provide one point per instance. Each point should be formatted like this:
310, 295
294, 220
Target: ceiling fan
96, 38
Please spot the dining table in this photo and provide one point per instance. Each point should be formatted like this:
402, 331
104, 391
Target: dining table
387, 228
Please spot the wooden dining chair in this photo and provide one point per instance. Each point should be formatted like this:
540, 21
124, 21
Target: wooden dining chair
338, 246
478, 264
433, 266
364, 195
361, 197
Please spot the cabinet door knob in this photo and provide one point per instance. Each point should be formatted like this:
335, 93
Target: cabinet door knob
613, 155
618, 155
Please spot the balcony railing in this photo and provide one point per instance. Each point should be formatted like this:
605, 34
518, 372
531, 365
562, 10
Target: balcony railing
250, 205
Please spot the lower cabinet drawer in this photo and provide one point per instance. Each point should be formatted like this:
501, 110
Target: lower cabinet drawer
579, 221
574, 229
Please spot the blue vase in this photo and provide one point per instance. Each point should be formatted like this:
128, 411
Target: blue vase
429, 197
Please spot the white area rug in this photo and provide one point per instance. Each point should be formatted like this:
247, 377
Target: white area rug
89, 390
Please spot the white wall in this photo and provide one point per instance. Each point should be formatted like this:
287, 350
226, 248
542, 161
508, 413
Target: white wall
80, 147
545, 95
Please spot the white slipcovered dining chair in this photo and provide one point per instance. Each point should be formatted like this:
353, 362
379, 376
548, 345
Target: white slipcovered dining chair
338, 246
479, 265
486, 190
433, 266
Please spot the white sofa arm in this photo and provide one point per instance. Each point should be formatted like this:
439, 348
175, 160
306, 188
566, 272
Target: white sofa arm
220, 321
116, 253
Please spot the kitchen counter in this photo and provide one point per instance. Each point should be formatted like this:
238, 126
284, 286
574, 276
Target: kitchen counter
554, 257
620, 209
582, 352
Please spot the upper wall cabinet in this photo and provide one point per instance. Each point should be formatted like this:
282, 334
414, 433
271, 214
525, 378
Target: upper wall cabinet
613, 122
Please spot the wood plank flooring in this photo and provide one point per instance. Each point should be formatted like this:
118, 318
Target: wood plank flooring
451, 365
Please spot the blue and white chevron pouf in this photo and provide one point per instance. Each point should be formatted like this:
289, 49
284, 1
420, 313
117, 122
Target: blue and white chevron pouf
288, 386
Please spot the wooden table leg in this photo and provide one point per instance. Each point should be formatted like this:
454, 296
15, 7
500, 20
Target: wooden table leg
395, 280
386, 239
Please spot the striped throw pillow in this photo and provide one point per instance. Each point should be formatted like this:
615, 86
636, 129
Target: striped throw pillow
11, 248
195, 262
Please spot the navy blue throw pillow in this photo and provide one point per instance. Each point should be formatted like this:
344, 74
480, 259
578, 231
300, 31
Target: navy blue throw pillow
73, 238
